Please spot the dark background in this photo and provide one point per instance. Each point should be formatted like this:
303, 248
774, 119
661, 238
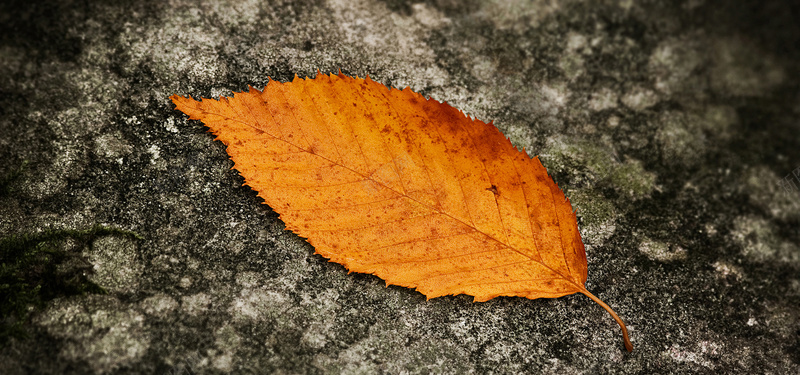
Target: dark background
669, 124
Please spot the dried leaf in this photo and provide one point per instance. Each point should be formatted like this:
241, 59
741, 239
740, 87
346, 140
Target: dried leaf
408, 189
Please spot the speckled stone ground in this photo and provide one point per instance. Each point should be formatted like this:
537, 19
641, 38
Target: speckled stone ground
670, 125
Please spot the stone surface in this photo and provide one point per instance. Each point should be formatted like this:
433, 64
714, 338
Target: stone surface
670, 124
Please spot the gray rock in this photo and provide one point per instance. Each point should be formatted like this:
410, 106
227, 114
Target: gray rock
673, 128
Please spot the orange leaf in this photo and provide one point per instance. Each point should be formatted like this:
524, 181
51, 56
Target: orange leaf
408, 189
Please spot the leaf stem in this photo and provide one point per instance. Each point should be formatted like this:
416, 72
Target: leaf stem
614, 315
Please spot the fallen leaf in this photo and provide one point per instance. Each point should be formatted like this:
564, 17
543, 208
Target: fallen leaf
389, 183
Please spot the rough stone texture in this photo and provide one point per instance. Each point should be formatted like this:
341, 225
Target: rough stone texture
669, 124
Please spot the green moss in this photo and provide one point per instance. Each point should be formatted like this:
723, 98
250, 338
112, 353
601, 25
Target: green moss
36, 268
632, 179
592, 206
592, 164
581, 164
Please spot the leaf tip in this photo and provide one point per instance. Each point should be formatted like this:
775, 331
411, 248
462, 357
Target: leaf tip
175, 98
185, 104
